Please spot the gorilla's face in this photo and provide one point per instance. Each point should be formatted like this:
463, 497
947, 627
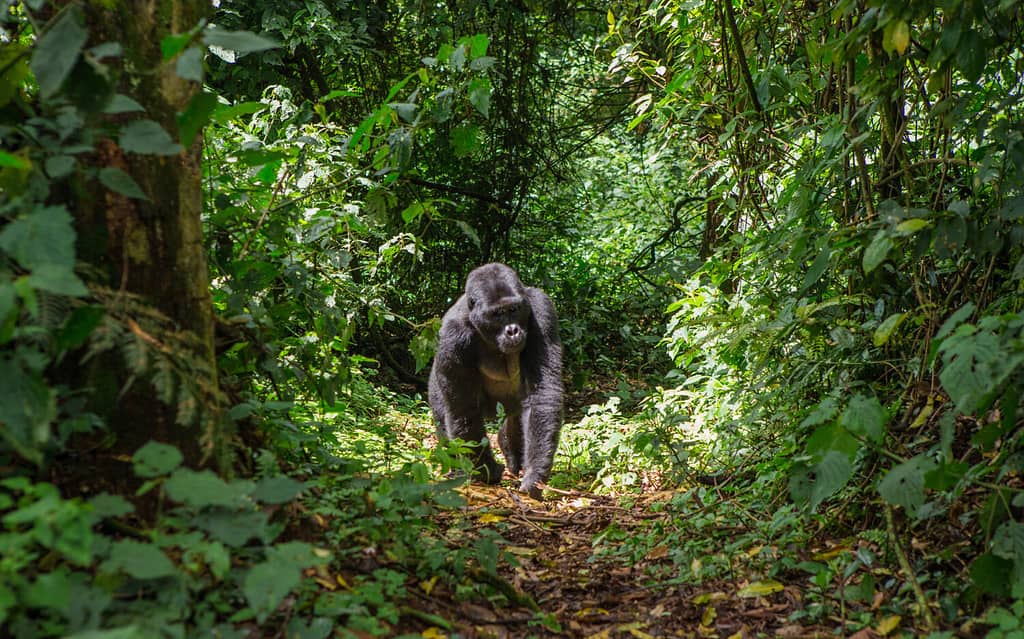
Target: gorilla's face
498, 309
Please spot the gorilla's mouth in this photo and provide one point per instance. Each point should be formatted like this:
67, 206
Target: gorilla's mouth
512, 345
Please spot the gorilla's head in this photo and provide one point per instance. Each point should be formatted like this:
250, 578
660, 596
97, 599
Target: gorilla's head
498, 307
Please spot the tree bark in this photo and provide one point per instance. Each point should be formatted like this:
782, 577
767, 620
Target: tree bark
151, 252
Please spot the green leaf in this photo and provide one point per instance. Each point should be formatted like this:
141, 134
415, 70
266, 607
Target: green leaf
811, 485
886, 328
146, 137
954, 320
480, 95
237, 41
823, 412
831, 438
267, 584
991, 574
904, 484
43, 237
876, 252
57, 50
122, 104
413, 211
124, 632
78, 326
203, 488
913, 225
106, 505
818, 267
974, 365
59, 166
57, 279
235, 528
174, 44
227, 112
120, 182
14, 161
865, 416
197, 114
277, 490
190, 65
970, 55
1008, 543
139, 560
896, 36
469, 232
27, 408
156, 458
50, 590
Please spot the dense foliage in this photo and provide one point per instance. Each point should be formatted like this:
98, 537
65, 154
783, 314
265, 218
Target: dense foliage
786, 242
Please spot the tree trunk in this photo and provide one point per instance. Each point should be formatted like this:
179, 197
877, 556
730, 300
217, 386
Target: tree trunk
151, 251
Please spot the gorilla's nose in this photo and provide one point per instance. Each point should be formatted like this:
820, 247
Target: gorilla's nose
512, 331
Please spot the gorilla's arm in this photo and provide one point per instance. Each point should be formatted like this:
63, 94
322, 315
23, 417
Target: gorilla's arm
542, 411
456, 392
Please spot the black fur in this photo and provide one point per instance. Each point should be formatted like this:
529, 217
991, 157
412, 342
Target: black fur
499, 343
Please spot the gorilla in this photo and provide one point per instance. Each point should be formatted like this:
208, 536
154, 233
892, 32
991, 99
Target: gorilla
499, 343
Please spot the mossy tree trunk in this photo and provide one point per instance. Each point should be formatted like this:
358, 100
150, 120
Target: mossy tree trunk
150, 251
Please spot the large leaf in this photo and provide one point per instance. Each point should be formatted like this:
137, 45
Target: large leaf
139, 560
1008, 543
57, 50
904, 484
480, 95
43, 237
120, 182
974, 365
267, 584
238, 41
27, 408
811, 485
877, 251
156, 459
203, 488
864, 416
277, 490
146, 137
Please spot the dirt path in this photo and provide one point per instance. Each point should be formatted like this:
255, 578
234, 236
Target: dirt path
587, 590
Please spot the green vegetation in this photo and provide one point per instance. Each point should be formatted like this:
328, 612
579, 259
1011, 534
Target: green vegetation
786, 244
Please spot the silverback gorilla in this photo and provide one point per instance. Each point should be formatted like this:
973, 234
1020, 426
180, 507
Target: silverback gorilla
499, 343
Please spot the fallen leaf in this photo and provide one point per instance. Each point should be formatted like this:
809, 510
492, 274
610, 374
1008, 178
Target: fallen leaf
428, 586
759, 589
888, 624
490, 518
433, 633
708, 616
790, 632
658, 552
521, 551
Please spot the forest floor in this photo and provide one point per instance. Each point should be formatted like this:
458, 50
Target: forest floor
564, 577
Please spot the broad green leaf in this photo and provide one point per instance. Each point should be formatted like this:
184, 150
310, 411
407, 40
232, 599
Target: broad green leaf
877, 251
189, 65
1008, 543
122, 104
831, 438
970, 55
203, 488
57, 50
991, 574
14, 161
478, 45
480, 95
198, 112
813, 484
469, 232
912, 225
120, 182
155, 459
817, 267
228, 112
50, 590
124, 632
413, 211
238, 41
235, 528
865, 416
277, 490
903, 485
78, 326
43, 237
57, 279
146, 137
14, 68
823, 412
297, 554
139, 560
59, 166
174, 44
106, 505
267, 584
974, 365
954, 320
886, 328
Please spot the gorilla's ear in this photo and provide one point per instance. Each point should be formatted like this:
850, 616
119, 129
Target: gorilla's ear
471, 302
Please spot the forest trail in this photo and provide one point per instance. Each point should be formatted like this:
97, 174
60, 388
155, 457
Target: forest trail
570, 574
